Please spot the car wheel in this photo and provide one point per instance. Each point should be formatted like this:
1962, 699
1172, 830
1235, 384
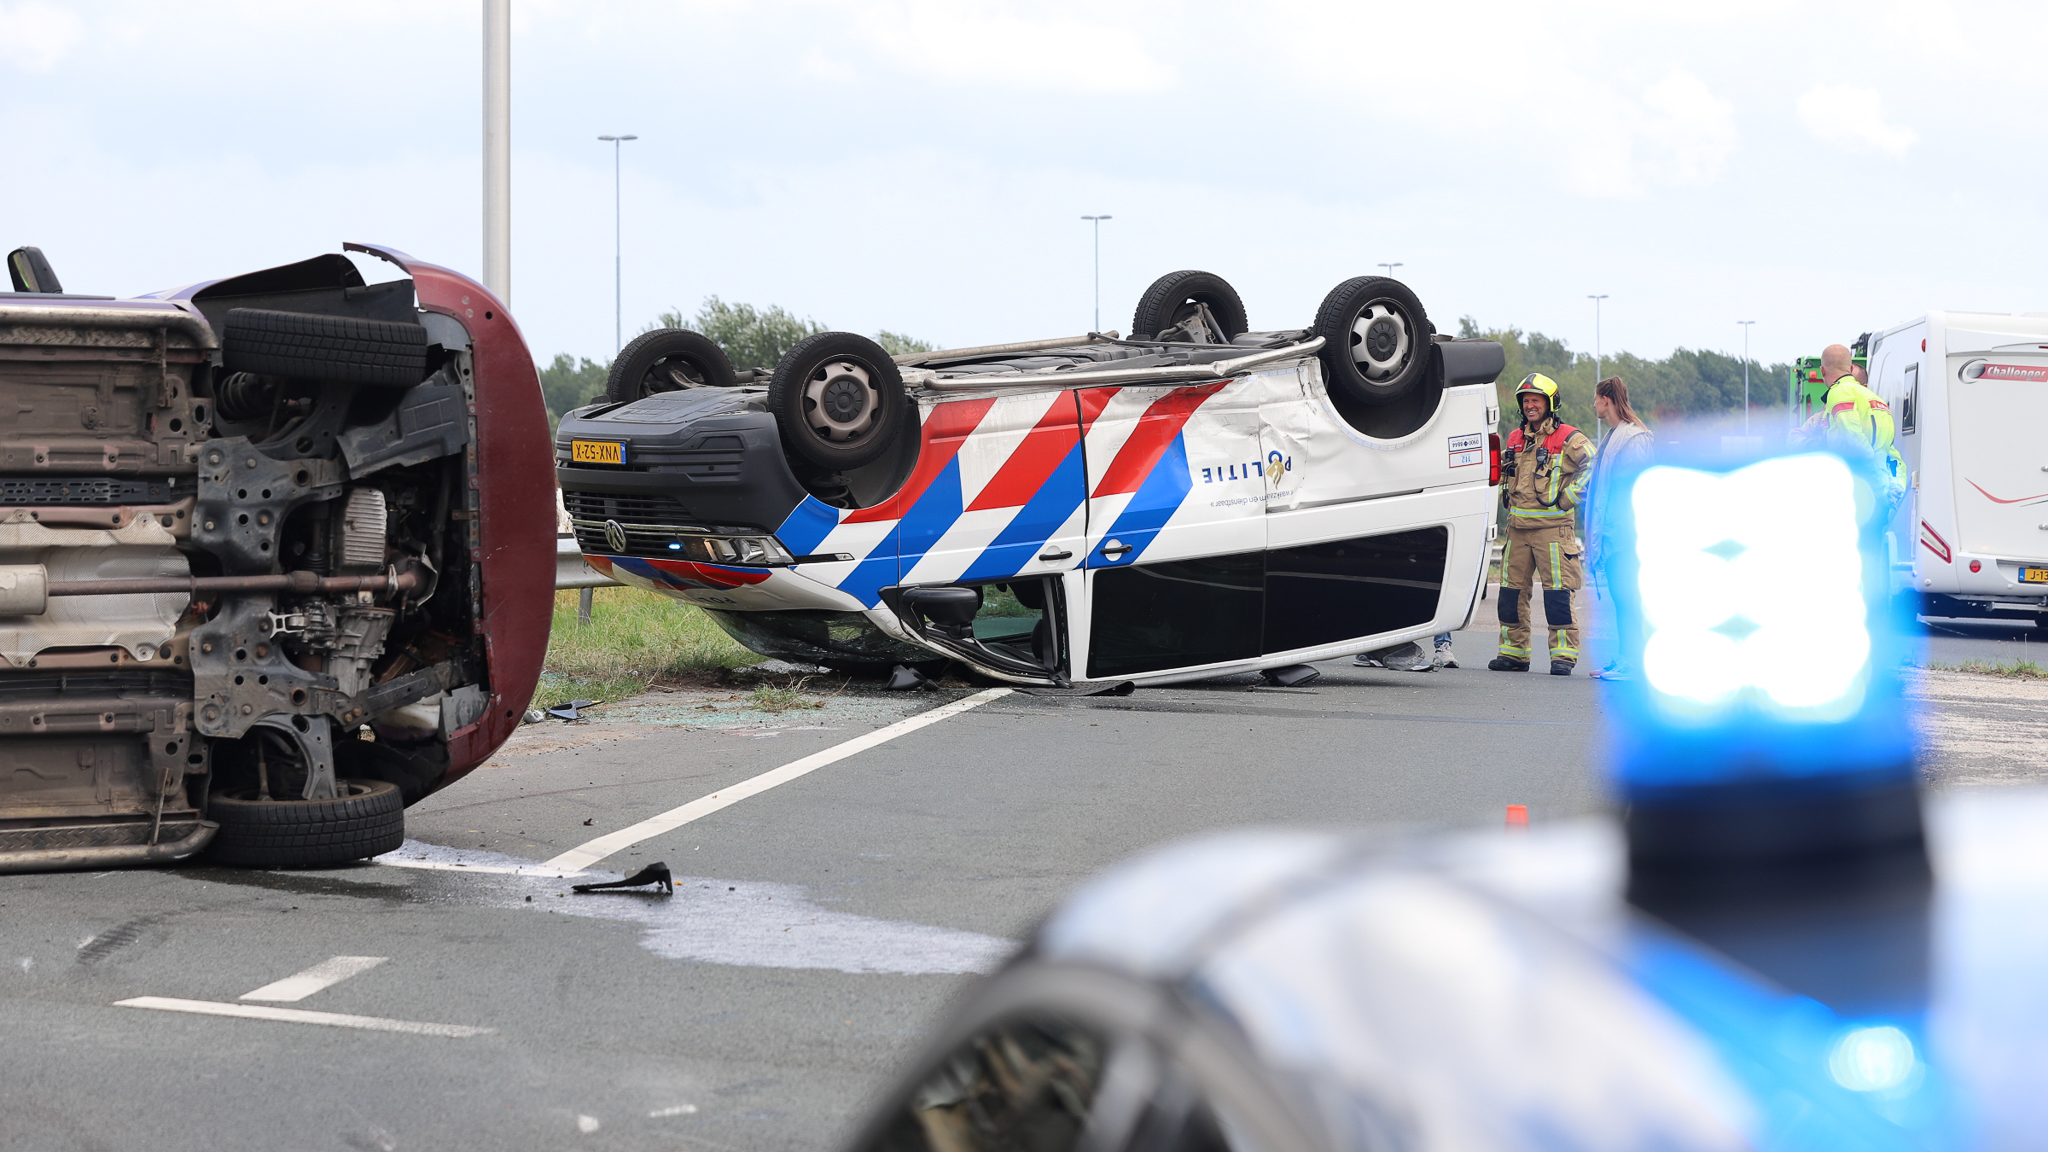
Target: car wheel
1376, 340
367, 819
1177, 296
838, 399
665, 360
315, 347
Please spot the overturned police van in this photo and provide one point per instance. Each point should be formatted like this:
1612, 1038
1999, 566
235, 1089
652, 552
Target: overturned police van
1197, 500
267, 566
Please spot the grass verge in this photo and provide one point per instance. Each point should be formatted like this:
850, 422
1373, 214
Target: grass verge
635, 639
784, 697
2011, 669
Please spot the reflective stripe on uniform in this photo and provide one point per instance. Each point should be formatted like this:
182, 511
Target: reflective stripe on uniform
1562, 650
1556, 565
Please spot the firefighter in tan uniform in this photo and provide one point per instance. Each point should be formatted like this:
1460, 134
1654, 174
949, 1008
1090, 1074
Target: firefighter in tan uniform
1544, 470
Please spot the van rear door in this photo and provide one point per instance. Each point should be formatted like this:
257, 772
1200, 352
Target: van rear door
1998, 405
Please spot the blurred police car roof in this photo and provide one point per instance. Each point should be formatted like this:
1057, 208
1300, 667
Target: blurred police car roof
1278, 989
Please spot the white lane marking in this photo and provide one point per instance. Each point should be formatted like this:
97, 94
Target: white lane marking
583, 856
299, 1016
586, 1124
325, 974
677, 1110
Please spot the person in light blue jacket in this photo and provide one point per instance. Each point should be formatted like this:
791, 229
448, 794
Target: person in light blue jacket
1628, 447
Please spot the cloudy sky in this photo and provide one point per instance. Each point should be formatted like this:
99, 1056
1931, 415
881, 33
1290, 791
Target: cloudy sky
921, 165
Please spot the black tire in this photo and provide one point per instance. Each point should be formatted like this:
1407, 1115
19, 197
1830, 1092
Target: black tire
315, 347
1376, 340
1172, 298
665, 360
838, 399
368, 819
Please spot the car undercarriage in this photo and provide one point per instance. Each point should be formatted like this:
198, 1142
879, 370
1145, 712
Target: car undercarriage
240, 594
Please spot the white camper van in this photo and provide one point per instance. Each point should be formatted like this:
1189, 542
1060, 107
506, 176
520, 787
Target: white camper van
1969, 393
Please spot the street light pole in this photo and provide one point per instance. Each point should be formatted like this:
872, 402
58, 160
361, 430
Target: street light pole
497, 261
1597, 422
618, 249
1098, 269
1745, 374
1391, 266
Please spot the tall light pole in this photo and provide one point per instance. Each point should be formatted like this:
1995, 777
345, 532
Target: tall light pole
1098, 269
497, 262
618, 250
1745, 374
1390, 266
1597, 429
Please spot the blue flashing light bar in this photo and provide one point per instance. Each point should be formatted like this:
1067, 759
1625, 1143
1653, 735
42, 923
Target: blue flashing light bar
1761, 629
1815, 1079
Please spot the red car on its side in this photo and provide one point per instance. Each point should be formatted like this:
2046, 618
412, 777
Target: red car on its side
268, 562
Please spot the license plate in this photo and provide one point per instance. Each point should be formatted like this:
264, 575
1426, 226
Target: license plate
596, 452
2034, 575
1468, 450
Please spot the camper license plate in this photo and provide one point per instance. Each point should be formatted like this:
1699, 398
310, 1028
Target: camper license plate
596, 452
2034, 575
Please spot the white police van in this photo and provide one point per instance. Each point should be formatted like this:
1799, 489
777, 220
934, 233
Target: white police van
1198, 501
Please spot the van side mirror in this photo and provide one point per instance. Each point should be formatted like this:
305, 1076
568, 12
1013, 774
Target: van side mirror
949, 607
31, 272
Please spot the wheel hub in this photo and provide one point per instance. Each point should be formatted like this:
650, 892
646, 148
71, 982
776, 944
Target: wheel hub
840, 401
1380, 341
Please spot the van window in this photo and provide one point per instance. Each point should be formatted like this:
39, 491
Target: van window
1013, 622
1327, 593
1150, 617
1909, 399
1185, 613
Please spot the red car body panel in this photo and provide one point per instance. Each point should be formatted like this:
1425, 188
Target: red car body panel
515, 502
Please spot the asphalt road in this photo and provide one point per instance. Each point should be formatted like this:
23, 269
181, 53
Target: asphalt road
822, 926
818, 930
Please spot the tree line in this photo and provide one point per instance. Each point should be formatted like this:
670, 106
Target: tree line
750, 337
1685, 383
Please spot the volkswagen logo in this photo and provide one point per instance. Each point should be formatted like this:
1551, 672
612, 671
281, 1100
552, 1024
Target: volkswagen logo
615, 535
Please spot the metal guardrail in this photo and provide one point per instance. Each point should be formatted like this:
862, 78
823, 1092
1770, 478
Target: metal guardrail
572, 572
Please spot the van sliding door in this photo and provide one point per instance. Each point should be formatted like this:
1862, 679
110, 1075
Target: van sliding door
1173, 472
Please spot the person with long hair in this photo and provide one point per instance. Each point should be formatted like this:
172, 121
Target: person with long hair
1628, 447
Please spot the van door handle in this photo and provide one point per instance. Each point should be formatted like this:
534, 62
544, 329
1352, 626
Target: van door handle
1114, 548
1061, 554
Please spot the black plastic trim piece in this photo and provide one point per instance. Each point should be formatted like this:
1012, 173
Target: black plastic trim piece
1471, 361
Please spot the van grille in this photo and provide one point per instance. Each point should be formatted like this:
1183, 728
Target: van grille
627, 508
